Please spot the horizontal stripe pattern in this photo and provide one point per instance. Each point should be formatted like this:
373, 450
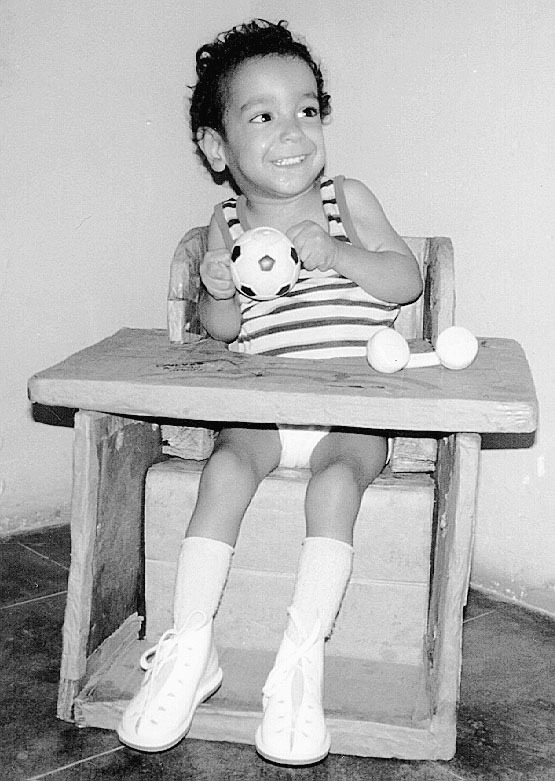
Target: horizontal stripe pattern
324, 316
332, 311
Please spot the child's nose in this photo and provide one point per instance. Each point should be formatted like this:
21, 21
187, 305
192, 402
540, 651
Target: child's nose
291, 129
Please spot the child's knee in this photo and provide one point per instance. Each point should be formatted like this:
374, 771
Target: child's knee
335, 482
349, 473
367, 458
352, 471
227, 460
239, 461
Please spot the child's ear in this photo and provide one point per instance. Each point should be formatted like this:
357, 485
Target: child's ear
212, 146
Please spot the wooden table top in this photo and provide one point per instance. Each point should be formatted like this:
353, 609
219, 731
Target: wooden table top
138, 372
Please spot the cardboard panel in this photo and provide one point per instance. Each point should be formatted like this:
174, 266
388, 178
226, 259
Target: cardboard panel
392, 535
378, 620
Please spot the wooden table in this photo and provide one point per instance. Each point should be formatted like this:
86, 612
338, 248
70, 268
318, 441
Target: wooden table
125, 384
137, 372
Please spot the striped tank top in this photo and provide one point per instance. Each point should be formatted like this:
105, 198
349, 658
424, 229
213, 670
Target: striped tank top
325, 315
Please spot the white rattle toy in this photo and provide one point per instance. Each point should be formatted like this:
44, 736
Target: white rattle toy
388, 351
264, 264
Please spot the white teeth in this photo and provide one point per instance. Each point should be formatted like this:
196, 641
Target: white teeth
290, 160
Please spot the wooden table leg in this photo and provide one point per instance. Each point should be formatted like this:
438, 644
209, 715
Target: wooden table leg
457, 478
105, 588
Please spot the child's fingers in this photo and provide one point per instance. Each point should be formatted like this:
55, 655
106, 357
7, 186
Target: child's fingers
216, 265
294, 232
314, 246
219, 288
299, 233
216, 256
219, 270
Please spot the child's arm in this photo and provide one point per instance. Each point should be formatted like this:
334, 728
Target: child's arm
386, 268
219, 309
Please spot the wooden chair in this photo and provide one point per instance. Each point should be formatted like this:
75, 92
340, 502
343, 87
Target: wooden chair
393, 662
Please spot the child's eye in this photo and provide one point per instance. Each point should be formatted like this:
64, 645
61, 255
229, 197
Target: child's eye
261, 118
310, 111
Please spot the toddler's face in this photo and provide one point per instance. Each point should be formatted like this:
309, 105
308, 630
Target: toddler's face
274, 144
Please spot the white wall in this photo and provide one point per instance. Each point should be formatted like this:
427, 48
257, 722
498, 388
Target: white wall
444, 108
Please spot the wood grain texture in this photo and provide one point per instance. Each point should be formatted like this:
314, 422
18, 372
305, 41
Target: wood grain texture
184, 287
438, 310
413, 454
457, 477
111, 457
126, 449
137, 372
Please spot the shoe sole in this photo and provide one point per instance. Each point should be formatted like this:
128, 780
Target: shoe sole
305, 760
209, 688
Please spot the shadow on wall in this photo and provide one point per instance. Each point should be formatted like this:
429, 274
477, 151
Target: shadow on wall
53, 416
508, 441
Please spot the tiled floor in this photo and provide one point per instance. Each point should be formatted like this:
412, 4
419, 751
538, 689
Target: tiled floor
506, 719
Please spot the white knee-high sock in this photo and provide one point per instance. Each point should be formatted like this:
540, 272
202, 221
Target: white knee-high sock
202, 571
323, 573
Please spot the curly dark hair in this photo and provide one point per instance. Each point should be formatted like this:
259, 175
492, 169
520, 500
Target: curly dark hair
217, 61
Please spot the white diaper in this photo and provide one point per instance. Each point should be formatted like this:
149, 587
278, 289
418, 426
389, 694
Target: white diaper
298, 443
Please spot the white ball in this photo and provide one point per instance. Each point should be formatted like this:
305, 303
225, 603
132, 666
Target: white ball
387, 351
264, 264
456, 347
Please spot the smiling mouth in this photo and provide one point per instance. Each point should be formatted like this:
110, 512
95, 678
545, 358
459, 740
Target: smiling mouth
285, 161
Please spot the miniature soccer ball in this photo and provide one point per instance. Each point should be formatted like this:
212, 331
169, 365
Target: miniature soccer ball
264, 264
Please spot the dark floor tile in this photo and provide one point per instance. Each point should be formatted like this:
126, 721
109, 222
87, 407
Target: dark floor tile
30, 651
32, 740
65, 749
53, 542
508, 654
506, 723
24, 574
206, 761
478, 604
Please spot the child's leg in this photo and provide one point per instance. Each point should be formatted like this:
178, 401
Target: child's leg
184, 670
343, 466
242, 457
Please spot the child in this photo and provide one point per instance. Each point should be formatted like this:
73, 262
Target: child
257, 116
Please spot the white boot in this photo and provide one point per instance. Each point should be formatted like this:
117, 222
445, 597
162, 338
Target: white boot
182, 669
293, 729
182, 673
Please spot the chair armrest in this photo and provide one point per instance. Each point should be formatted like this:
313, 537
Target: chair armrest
439, 289
184, 287
413, 454
189, 442
419, 454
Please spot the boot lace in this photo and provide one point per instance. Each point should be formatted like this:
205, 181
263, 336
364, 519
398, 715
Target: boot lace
286, 665
155, 660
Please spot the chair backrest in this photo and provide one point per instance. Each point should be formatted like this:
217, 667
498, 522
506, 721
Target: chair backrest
426, 318
410, 319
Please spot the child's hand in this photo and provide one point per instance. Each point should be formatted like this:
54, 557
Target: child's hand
216, 274
315, 247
